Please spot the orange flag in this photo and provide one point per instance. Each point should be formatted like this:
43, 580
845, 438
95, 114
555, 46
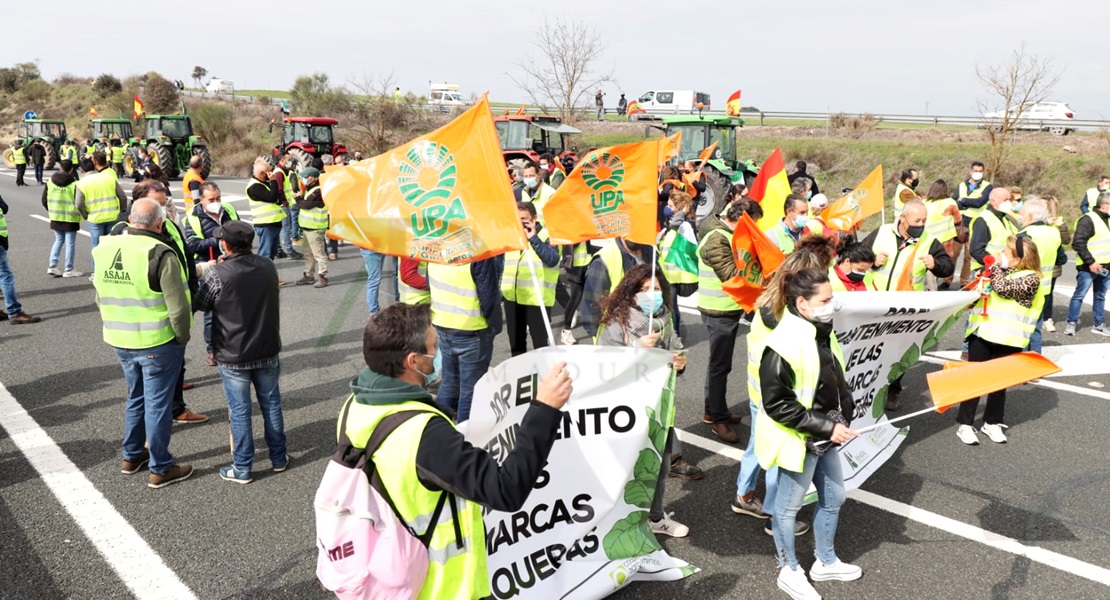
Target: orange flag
92, 112
611, 193
441, 198
849, 211
138, 108
962, 381
669, 146
770, 189
905, 278
522, 110
732, 107
707, 154
757, 257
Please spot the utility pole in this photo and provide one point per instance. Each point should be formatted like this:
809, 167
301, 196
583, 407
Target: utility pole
926, 108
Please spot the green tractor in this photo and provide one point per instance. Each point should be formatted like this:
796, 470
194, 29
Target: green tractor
48, 133
723, 169
171, 143
103, 131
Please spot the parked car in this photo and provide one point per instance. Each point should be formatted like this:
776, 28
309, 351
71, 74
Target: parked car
1035, 116
670, 102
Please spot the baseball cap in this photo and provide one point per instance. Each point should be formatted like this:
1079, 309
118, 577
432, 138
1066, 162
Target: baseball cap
235, 233
309, 172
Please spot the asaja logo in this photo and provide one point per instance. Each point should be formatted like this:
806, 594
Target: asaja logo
427, 182
117, 262
116, 273
603, 173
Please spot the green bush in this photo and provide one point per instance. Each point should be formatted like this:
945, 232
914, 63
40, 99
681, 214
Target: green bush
214, 121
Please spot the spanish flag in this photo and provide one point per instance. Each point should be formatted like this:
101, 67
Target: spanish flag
138, 109
849, 211
757, 257
92, 112
770, 189
441, 198
634, 108
668, 147
732, 107
611, 193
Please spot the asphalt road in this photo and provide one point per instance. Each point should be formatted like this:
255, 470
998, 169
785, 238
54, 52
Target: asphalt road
1042, 491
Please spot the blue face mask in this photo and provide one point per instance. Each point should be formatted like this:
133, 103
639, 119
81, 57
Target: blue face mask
668, 212
801, 221
437, 362
650, 302
530, 182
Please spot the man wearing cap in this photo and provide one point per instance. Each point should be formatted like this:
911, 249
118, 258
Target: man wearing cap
814, 224
313, 221
241, 290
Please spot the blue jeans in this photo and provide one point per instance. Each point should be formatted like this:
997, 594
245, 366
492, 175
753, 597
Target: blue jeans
237, 388
7, 285
95, 231
466, 357
151, 375
749, 470
373, 262
1036, 340
825, 474
69, 238
208, 332
1083, 282
294, 226
268, 239
38, 173
289, 228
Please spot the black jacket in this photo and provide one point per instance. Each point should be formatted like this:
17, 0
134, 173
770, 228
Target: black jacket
201, 243
1083, 232
981, 234
943, 265
776, 381
798, 175
246, 319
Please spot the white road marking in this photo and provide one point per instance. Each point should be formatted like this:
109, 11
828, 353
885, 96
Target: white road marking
46, 220
133, 560
1037, 554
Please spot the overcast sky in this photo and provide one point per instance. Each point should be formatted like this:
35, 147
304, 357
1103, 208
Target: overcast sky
805, 55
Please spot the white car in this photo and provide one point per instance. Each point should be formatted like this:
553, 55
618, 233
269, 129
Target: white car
1034, 117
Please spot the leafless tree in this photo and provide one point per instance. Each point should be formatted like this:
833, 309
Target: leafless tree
1012, 88
376, 122
563, 75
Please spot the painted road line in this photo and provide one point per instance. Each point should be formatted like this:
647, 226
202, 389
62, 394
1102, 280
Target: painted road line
142, 571
1064, 387
46, 220
1037, 554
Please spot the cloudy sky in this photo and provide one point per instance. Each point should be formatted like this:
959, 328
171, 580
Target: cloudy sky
805, 55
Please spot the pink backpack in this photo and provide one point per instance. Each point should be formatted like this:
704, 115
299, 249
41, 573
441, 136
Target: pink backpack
366, 551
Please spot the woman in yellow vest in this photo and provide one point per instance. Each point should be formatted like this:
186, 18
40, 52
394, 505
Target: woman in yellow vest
1059, 223
852, 271
944, 222
524, 309
1013, 307
637, 316
806, 400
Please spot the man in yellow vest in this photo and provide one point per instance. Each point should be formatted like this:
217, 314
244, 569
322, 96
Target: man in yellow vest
285, 177
426, 456
906, 190
606, 270
1091, 195
970, 196
796, 215
535, 190
524, 309
69, 152
1033, 218
19, 158
200, 227
313, 220
118, 152
265, 203
414, 282
144, 300
100, 200
191, 182
991, 227
1091, 243
7, 278
58, 200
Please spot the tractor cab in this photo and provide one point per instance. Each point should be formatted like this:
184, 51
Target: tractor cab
111, 129
722, 169
175, 127
306, 138
171, 144
43, 129
526, 137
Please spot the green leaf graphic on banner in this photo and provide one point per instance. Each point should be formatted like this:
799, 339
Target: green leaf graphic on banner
878, 407
638, 494
936, 334
656, 432
645, 475
630, 537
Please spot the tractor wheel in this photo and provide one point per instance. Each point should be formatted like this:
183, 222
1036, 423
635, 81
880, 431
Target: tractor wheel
51, 155
304, 159
271, 160
206, 160
161, 156
719, 184
9, 158
131, 161
100, 147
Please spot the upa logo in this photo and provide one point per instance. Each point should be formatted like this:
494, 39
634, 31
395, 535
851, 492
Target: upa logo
604, 173
426, 179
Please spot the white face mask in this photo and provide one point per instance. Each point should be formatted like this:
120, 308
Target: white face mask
1004, 262
1006, 206
212, 208
977, 176
822, 314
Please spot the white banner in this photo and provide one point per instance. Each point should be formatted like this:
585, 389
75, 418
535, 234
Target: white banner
883, 334
583, 533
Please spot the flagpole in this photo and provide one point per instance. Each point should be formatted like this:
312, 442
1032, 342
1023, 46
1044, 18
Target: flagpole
888, 422
651, 319
539, 291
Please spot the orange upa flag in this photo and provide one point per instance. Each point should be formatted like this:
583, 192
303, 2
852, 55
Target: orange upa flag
669, 147
757, 257
849, 211
138, 108
442, 197
960, 381
770, 189
707, 154
732, 106
522, 110
611, 193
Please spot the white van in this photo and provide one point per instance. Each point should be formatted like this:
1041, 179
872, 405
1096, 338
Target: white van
443, 96
670, 102
220, 86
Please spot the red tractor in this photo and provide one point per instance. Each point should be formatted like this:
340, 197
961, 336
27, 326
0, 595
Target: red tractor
526, 137
306, 138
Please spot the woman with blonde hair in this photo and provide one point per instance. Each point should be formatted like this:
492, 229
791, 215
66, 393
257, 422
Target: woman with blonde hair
1058, 222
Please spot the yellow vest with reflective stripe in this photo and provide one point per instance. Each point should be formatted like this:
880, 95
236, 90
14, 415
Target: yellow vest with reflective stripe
70, 153
793, 339
1092, 197
711, 294
1099, 243
781, 237
117, 154
134, 316
757, 342
1047, 240
59, 202
3, 225
453, 571
411, 295
454, 298
194, 220
265, 213
543, 194
886, 277
673, 273
898, 204
516, 280
313, 218
19, 155
1007, 322
580, 254
971, 213
1001, 230
99, 190
938, 225
287, 186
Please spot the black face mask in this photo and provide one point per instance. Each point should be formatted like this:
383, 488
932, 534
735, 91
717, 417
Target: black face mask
915, 231
855, 277
913, 184
633, 247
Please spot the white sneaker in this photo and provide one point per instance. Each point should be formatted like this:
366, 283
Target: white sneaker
966, 433
1049, 326
567, 338
669, 526
1070, 329
795, 584
53, 271
1101, 330
72, 274
994, 432
838, 571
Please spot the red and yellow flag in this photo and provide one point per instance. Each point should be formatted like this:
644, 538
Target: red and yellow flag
442, 197
634, 108
707, 154
732, 107
92, 112
849, 211
138, 108
770, 189
669, 147
611, 193
962, 381
757, 257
